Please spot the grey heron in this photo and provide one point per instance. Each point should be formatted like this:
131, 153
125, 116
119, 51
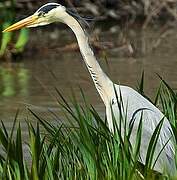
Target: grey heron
110, 93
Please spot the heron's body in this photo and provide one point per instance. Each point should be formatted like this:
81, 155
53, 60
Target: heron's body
134, 103
151, 116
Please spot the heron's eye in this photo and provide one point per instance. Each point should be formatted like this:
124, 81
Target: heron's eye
41, 14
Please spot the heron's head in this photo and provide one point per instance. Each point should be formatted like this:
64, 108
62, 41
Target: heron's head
46, 14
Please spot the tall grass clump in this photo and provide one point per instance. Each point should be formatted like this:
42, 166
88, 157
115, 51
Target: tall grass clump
82, 147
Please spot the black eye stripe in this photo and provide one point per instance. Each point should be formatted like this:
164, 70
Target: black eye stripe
47, 8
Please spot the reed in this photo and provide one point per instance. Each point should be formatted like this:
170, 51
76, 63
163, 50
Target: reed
82, 147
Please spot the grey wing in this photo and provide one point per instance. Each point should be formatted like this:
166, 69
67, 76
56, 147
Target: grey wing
134, 104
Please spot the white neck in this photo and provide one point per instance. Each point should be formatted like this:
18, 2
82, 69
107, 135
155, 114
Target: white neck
102, 83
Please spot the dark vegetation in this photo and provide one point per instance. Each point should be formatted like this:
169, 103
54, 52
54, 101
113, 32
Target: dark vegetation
130, 10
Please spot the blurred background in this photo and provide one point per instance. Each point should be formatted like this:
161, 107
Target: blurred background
128, 37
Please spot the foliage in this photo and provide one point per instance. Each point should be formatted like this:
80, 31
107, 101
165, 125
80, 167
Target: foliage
7, 17
83, 147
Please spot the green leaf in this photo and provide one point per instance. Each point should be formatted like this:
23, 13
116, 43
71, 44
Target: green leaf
22, 40
6, 38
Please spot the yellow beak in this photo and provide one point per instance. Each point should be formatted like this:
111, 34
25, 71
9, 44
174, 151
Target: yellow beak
31, 20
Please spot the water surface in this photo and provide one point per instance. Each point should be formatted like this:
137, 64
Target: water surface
31, 82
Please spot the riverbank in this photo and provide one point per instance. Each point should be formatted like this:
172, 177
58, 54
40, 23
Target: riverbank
130, 11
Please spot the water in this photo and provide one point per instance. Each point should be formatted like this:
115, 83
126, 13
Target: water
31, 82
